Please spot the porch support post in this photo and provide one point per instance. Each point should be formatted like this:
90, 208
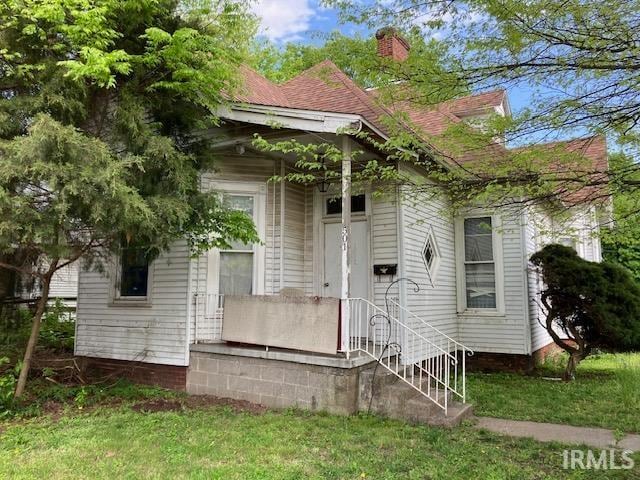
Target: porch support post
346, 242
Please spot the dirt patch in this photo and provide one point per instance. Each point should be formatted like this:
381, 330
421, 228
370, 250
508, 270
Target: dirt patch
195, 402
53, 409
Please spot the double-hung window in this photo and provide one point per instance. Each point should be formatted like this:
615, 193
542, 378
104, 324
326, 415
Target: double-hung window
480, 265
239, 269
237, 262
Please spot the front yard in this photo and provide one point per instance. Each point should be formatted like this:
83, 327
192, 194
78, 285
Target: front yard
160, 438
126, 431
606, 393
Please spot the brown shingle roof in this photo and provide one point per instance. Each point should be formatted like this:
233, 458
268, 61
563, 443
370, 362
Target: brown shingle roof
591, 165
474, 103
324, 87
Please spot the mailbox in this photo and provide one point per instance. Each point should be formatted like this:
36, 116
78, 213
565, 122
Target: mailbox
386, 269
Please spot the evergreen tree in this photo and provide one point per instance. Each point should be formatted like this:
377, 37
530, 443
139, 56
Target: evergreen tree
588, 305
99, 102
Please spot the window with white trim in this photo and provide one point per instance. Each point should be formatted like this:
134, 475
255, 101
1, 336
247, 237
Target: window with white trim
480, 285
237, 263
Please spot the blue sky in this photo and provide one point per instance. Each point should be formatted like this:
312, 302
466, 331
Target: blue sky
304, 20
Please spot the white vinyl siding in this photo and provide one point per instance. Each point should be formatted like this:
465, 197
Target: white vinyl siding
155, 333
505, 330
435, 302
64, 283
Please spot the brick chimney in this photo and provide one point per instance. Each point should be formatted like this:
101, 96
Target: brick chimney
391, 44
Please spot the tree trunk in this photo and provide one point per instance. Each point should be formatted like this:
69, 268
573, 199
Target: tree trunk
33, 338
570, 372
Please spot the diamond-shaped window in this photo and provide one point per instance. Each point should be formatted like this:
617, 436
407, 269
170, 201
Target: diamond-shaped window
430, 255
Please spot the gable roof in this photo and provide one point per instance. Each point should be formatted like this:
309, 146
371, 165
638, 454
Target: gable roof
326, 88
593, 163
477, 103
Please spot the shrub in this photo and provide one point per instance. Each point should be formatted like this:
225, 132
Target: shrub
7, 387
588, 305
58, 328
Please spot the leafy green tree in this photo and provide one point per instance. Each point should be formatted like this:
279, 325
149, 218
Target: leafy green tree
99, 104
588, 305
578, 59
356, 56
621, 241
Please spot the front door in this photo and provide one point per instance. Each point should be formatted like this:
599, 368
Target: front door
360, 264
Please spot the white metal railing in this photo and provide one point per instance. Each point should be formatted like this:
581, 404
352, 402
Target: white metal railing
433, 371
208, 315
442, 340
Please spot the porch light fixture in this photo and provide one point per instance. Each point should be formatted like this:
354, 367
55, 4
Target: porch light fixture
323, 185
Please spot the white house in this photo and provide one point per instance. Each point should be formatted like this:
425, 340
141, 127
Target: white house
340, 281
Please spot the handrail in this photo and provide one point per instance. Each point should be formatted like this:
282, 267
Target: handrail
437, 360
411, 330
427, 324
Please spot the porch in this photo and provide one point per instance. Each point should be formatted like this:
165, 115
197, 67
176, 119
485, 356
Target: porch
306, 331
324, 281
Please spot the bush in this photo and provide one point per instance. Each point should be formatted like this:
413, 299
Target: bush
7, 387
58, 328
589, 305
57, 331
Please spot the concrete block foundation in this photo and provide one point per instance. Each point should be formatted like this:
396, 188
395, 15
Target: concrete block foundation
276, 379
281, 379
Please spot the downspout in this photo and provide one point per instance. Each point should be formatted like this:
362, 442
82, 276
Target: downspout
524, 221
188, 322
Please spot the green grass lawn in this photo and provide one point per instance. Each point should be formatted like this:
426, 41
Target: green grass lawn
219, 443
606, 393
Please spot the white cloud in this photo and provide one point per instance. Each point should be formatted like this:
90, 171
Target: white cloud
284, 20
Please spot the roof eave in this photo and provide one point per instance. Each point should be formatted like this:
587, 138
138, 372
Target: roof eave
297, 119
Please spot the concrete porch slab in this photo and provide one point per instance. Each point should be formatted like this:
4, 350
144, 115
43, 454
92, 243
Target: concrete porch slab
336, 361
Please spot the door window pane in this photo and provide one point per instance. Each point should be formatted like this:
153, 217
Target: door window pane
358, 205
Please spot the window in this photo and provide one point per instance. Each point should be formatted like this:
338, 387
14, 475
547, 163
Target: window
334, 205
431, 255
237, 262
134, 273
570, 242
479, 265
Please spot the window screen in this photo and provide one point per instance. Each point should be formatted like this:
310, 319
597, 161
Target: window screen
479, 265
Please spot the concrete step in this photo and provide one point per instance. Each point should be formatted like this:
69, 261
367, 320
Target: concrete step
456, 413
394, 398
